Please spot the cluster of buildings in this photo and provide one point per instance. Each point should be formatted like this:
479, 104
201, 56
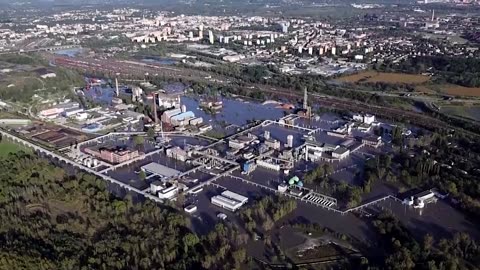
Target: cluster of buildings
349, 137
90, 120
294, 45
113, 154
180, 117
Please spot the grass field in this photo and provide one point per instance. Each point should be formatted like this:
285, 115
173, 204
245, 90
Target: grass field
457, 90
425, 89
7, 147
373, 76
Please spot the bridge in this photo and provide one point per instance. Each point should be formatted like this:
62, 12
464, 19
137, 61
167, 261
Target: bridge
360, 207
213, 179
60, 158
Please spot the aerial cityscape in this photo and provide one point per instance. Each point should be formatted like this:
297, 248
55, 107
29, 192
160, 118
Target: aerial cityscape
268, 134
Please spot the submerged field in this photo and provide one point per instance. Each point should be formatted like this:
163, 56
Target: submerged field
373, 77
471, 112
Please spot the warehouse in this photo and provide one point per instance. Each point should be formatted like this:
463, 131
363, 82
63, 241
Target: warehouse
182, 119
229, 200
160, 170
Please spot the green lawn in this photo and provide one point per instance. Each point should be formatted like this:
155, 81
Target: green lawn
7, 147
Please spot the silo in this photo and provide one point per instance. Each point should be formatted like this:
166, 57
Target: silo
290, 141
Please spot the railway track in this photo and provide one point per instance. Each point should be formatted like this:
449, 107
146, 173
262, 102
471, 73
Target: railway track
128, 69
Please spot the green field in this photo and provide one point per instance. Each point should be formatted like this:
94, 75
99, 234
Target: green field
7, 147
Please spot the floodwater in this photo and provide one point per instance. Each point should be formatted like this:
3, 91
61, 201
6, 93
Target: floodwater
234, 111
159, 60
100, 94
70, 52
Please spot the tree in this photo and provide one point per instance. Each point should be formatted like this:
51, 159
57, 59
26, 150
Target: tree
328, 168
138, 140
151, 133
142, 175
190, 240
428, 243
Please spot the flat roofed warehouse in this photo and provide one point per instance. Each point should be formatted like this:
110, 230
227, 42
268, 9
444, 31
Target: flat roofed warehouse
229, 200
235, 196
160, 170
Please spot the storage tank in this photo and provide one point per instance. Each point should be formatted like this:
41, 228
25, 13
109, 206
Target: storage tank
290, 141
95, 163
266, 135
293, 180
88, 162
184, 108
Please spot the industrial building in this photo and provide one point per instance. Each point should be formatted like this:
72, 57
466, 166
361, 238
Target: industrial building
114, 155
372, 141
236, 144
268, 164
160, 170
229, 200
366, 118
177, 153
419, 200
168, 114
340, 153
163, 192
180, 117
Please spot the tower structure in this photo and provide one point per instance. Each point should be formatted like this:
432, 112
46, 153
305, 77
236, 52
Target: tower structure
305, 98
155, 114
306, 108
116, 87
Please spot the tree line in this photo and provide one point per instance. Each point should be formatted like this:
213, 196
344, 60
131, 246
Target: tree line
53, 219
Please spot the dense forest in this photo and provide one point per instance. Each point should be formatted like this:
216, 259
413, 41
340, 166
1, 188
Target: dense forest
53, 220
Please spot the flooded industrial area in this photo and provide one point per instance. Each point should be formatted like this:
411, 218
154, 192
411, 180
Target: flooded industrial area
211, 157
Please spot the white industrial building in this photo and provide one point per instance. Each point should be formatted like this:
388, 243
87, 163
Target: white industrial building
366, 118
168, 193
268, 164
156, 186
177, 153
229, 200
160, 170
282, 188
236, 144
419, 200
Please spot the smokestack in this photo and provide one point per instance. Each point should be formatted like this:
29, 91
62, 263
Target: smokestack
116, 87
155, 108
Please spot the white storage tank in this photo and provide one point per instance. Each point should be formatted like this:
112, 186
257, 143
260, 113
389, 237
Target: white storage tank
290, 141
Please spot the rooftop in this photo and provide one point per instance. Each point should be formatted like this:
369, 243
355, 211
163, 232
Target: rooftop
160, 169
